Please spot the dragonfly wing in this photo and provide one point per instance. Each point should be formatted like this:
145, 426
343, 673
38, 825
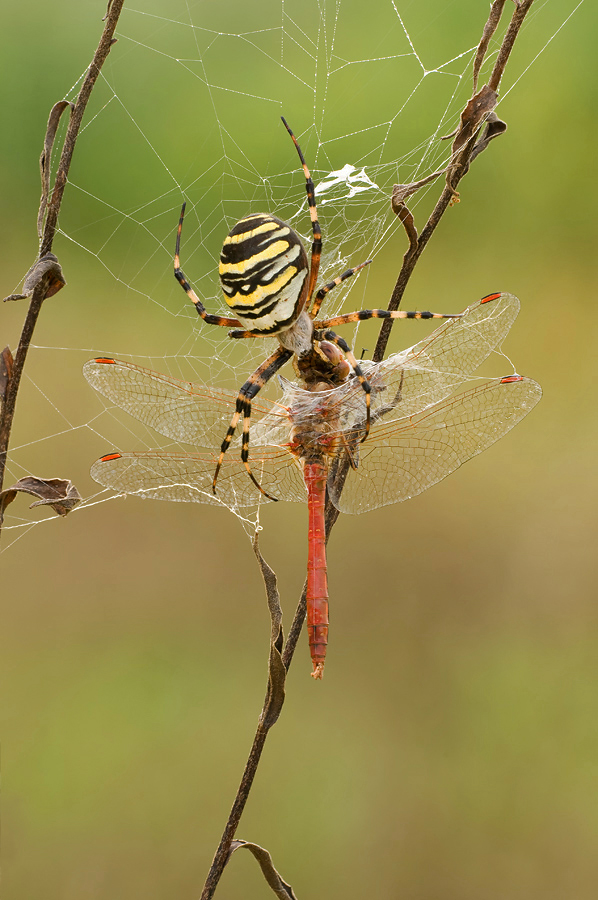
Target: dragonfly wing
180, 410
409, 381
401, 459
188, 478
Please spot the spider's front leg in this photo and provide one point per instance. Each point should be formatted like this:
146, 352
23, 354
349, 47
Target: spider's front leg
254, 383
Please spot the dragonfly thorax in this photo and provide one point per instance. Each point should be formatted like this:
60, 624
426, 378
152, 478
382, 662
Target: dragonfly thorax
315, 431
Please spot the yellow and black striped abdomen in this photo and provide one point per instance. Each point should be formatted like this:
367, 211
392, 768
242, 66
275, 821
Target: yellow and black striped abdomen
263, 272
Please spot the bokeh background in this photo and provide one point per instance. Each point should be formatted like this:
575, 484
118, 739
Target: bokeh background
450, 753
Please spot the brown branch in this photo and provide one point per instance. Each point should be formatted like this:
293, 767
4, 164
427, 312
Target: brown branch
47, 281
273, 702
523, 7
279, 665
222, 855
295, 629
476, 113
463, 149
489, 29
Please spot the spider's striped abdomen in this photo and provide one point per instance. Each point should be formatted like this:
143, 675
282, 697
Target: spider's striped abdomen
263, 272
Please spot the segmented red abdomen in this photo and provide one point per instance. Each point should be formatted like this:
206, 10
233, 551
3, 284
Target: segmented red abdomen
317, 583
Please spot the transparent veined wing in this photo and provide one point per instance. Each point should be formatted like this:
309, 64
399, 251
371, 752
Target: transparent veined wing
182, 477
432, 369
410, 381
404, 457
401, 385
180, 410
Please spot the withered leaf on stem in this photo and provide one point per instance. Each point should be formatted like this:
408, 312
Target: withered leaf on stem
277, 672
6, 364
400, 192
60, 494
280, 887
494, 128
46, 157
405, 215
477, 109
46, 267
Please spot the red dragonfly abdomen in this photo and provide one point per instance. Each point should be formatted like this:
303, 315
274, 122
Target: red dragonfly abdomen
317, 583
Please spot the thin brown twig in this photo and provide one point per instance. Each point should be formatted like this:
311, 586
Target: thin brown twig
43, 287
273, 702
459, 166
521, 11
489, 29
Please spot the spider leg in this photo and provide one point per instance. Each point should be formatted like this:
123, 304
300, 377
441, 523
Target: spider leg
340, 342
245, 334
349, 451
243, 408
316, 247
364, 314
182, 280
332, 284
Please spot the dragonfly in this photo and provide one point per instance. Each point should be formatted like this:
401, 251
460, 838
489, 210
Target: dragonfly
314, 441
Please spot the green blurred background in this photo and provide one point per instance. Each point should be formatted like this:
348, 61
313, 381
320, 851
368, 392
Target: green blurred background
451, 751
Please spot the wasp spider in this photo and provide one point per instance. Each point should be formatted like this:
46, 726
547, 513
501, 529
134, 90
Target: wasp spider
269, 285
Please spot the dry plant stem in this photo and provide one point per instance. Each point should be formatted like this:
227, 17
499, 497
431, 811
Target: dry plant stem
489, 29
223, 852
49, 230
273, 702
523, 7
459, 167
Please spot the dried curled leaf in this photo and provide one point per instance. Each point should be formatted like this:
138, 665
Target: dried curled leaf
405, 215
60, 494
46, 156
277, 672
280, 887
476, 111
494, 128
46, 267
400, 192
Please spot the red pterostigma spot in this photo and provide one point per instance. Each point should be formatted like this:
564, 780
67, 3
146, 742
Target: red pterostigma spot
490, 297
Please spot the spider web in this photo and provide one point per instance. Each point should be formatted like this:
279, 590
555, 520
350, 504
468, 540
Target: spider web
188, 107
